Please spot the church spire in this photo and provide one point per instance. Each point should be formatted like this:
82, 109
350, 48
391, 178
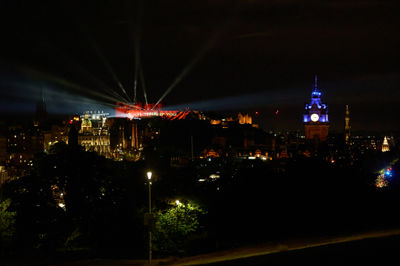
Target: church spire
41, 112
42, 96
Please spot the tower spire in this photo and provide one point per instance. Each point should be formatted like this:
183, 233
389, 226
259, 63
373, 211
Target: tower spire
42, 95
41, 112
315, 117
316, 83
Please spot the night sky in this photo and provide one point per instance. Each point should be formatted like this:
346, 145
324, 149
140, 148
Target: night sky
233, 55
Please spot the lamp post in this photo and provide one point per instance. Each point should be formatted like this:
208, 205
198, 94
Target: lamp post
149, 174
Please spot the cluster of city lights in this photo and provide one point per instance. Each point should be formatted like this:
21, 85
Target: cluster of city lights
383, 178
58, 196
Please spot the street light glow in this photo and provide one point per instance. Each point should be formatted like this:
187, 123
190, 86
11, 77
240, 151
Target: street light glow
149, 173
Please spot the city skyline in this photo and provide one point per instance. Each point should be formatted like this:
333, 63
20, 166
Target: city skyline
217, 131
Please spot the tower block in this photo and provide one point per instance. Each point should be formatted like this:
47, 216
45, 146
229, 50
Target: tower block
315, 117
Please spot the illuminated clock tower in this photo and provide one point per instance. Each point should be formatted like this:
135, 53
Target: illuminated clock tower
315, 117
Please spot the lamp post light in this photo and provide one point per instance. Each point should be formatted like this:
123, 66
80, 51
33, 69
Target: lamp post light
149, 174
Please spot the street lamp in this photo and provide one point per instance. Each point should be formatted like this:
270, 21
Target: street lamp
149, 174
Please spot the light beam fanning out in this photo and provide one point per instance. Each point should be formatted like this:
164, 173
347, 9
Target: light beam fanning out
86, 35
137, 38
265, 98
143, 86
211, 42
68, 60
24, 94
73, 87
185, 71
111, 71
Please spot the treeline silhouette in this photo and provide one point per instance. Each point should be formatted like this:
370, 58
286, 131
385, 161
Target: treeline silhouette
251, 202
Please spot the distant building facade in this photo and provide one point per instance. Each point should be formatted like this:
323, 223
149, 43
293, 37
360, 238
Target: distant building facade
94, 134
245, 119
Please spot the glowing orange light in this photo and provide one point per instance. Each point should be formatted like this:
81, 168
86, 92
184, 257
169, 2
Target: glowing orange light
138, 111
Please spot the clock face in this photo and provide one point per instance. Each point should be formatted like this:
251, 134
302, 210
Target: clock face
314, 117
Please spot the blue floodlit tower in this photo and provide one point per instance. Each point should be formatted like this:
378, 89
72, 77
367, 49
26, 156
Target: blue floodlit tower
315, 117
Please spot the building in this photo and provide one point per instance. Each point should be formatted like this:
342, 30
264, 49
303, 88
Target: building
245, 119
315, 117
385, 145
94, 134
19, 146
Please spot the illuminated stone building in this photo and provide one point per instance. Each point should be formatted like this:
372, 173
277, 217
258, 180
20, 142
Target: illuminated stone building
385, 145
126, 134
94, 134
315, 117
245, 119
242, 119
